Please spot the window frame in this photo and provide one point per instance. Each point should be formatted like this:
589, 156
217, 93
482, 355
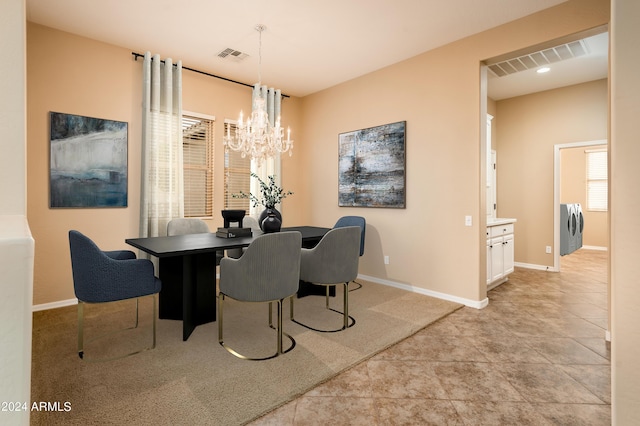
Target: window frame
208, 167
597, 179
237, 174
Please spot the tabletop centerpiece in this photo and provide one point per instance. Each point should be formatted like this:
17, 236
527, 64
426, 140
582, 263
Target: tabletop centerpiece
270, 219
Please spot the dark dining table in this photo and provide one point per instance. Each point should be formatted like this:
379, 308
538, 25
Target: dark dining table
187, 269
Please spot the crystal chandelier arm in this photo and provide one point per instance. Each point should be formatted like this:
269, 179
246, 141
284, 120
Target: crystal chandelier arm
262, 136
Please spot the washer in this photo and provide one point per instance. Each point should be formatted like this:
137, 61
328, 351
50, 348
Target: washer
565, 228
580, 225
568, 227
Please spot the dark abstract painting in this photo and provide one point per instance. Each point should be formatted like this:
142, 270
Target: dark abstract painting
371, 169
88, 161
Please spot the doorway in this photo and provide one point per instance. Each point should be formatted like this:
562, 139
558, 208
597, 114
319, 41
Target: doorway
557, 183
524, 161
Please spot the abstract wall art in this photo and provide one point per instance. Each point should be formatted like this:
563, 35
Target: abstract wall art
88, 162
371, 167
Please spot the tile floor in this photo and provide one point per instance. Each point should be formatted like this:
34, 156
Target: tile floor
536, 355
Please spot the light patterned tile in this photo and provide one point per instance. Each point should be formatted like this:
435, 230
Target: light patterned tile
527, 359
566, 351
424, 347
499, 413
508, 348
416, 412
354, 382
596, 378
474, 381
598, 345
576, 414
404, 379
547, 383
333, 410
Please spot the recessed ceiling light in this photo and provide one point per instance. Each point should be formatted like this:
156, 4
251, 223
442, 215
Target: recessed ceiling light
543, 70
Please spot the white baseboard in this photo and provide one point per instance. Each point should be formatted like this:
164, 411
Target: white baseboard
467, 302
596, 248
53, 305
537, 267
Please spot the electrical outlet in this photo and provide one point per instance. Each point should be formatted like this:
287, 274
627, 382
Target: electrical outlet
468, 221
547, 250
386, 260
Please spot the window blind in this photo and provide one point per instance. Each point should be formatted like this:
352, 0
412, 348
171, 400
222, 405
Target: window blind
597, 180
237, 176
198, 148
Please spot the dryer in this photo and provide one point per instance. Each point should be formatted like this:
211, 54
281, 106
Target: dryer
568, 229
580, 224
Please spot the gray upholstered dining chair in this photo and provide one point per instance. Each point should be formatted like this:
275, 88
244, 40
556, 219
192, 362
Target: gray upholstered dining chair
109, 276
182, 226
268, 271
190, 225
247, 222
332, 261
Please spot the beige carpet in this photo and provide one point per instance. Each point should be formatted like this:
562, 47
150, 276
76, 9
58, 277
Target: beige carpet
197, 382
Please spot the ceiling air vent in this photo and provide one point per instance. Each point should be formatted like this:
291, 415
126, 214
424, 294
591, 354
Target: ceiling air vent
232, 54
540, 58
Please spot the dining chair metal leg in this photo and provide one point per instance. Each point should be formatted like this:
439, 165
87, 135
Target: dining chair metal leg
278, 328
80, 329
81, 340
357, 288
155, 316
345, 304
348, 321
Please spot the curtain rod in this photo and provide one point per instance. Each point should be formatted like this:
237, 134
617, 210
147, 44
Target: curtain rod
140, 55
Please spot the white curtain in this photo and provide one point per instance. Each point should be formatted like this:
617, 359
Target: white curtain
162, 191
272, 165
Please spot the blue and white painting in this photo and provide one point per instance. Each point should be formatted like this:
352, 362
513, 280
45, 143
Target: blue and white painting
371, 167
88, 161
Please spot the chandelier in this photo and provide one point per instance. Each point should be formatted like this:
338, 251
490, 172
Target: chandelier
257, 137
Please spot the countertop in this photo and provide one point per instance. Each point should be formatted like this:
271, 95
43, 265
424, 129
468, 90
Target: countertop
500, 221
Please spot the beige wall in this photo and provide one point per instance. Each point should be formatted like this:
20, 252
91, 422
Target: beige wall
573, 189
624, 157
16, 243
492, 108
76, 75
624, 153
437, 93
529, 128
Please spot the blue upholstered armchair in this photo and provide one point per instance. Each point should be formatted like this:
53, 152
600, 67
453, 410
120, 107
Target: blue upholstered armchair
354, 221
108, 276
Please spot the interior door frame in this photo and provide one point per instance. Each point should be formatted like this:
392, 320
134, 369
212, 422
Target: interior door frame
556, 193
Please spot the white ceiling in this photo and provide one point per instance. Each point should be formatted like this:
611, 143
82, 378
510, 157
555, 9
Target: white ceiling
308, 45
591, 66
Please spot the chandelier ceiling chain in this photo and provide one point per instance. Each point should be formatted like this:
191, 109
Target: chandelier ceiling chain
260, 28
258, 138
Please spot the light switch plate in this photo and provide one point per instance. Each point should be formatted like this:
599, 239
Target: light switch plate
468, 221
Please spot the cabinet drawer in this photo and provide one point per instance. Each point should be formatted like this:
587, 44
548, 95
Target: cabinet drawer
499, 230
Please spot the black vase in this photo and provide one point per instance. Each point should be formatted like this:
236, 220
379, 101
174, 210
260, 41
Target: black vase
271, 223
265, 213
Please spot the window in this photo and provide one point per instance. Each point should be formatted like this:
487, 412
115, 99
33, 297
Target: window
597, 183
237, 175
198, 147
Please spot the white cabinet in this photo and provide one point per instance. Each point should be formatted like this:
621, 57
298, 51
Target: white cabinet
497, 258
507, 247
500, 245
